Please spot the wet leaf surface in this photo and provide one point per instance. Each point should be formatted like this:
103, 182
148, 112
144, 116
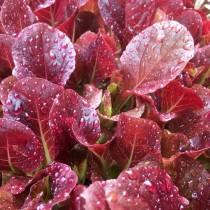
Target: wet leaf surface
44, 52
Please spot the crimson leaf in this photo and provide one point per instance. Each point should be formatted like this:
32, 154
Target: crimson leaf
179, 100
156, 56
193, 180
61, 182
16, 15
6, 61
31, 106
39, 4
140, 187
113, 14
135, 138
73, 118
139, 15
20, 148
41, 51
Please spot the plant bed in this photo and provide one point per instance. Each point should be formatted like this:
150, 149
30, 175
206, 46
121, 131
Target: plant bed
105, 105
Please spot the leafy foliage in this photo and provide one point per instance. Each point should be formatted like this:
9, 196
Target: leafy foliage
104, 105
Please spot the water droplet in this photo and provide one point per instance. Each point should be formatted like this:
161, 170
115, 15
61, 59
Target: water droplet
18, 110
82, 122
112, 197
160, 38
8, 102
96, 124
64, 45
52, 55
131, 174
61, 35
194, 195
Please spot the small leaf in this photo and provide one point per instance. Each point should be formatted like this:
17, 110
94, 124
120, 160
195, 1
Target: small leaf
135, 138
20, 148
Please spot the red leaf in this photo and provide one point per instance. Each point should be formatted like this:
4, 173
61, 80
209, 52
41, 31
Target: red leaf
73, 118
20, 148
57, 12
113, 14
30, 102
202, 57
98, 56
16, 15
137, 188
173, 143
179, 100
135, 138
41, 51
193, 22
193, 181
6, 61
62, 181
39, 4
139, 15
155, 57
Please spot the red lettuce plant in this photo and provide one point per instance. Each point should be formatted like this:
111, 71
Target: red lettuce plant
104, 105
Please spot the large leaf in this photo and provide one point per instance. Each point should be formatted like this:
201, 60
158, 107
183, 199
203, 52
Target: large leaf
30, 102
41, 51
155, 57
20, 149
137, 188
73, 119
6, 61
135, 138
179, 100
16, 15
54, 188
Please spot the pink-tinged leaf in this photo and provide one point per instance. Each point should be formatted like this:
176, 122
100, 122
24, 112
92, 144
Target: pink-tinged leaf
202, 57
179, 100
172, 143
113, 14
20, 148
99, 57
93, 95
40, 4
193, 22
170, 7
73, 118
6, 61
6, 86
155, 57
44, 52
30, 102
135, 138
77, 202
61, 182
137, 188
16, 15
139, 15
57, 13
192, 179
9, 201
